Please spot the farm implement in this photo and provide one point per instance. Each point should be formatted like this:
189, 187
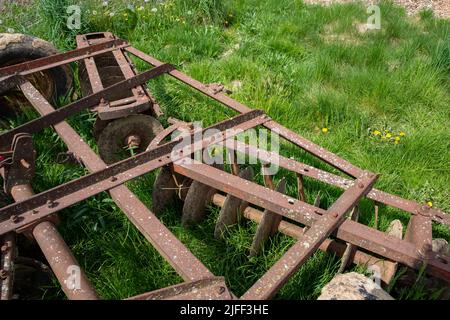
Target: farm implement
127, 118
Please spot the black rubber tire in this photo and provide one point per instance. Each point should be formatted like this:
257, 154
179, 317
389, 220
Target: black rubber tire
16, 48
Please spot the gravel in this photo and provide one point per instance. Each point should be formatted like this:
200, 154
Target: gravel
441, 8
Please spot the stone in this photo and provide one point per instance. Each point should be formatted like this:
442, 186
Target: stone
441, 247
353, 286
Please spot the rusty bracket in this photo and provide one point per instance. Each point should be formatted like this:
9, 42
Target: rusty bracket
21, 168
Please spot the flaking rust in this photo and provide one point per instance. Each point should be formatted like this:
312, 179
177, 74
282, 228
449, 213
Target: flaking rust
115, 92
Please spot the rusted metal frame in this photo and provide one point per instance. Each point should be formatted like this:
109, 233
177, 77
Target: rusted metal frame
332, 159
67, 270
422, 237
379, 196
19, 214
287, 134
249, 191
140, 102
82, 104
269, 284
56, 60
349, 231
296, 232
172, 250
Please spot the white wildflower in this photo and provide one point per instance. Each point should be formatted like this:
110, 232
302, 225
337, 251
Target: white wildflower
105, 3
154, 10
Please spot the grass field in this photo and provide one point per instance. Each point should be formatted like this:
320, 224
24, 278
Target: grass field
309, 68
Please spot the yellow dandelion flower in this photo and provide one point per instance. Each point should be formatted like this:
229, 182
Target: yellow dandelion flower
376, 133
388, 135
430, 204
325, 130
402, 134
397, 138
396, 142
383, 137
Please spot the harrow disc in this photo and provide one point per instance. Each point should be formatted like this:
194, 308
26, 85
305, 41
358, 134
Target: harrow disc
168, 188
127, 136
198, 197
269, 224
232, 207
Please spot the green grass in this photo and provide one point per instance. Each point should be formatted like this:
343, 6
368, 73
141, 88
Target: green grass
309, 68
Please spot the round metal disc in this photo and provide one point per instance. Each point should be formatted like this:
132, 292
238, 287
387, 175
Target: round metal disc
166, 190
112, 141
232, 207
99, 126
197, 198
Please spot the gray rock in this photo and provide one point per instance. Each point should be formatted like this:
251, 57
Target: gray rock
353, 286
441, 246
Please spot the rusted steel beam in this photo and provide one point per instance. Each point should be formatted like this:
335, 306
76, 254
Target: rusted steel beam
321, 153
75, 285
56, 60
73, 280
204, 289
58, 198
349, 231
90, 101
269, 284
173, 251
92, 71
268, 226
419, 232
343, 183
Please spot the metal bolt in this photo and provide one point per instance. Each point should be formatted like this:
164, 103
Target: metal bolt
35, 211
113, 178
3, 274
15, 218
51, 203
334, 215
221, 290
360, 185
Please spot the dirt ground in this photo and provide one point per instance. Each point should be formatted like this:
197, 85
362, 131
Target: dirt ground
441, 8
